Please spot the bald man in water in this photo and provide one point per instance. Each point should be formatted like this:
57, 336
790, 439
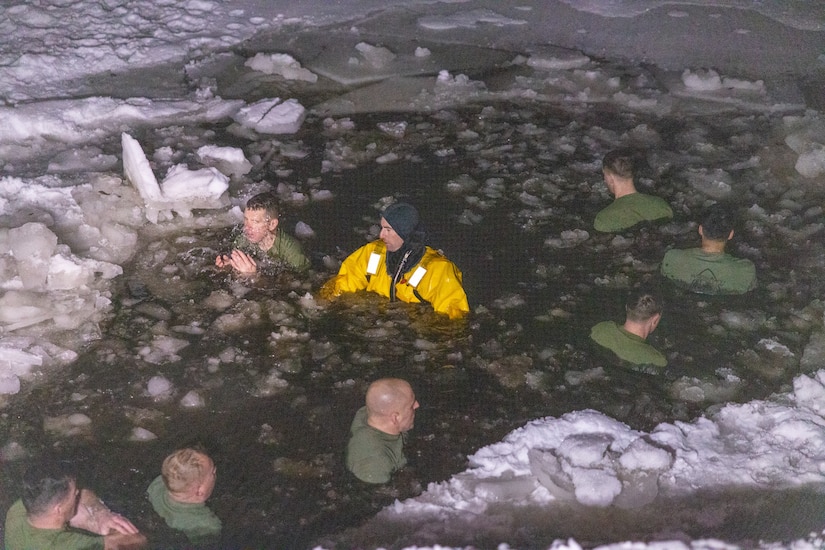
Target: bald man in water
376, 446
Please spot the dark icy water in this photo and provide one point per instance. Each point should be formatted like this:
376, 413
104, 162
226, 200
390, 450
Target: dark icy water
277, 408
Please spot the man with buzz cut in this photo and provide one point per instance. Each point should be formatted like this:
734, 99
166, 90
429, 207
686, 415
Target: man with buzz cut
709, 269
628, 341
629, 207
376, 446
262, 241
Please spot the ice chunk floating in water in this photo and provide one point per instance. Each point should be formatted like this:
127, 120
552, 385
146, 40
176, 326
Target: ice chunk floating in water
32, 245
181, 191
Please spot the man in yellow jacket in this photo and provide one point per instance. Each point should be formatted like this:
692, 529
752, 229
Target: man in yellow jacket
400, 266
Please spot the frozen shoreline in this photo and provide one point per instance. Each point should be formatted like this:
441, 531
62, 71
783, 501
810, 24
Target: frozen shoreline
61, 170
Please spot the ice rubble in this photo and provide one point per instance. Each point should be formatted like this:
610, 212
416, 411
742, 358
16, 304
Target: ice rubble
63, 243
596, 461
281, 64
181, 191
272, 116
44, 281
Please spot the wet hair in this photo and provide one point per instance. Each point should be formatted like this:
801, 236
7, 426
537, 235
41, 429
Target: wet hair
46, 483
183, 469
619, 162
717, 223
642, 304
265, 201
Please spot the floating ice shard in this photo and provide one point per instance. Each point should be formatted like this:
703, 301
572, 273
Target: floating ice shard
192, 400
281, 64
9, 384
137, 169
272, 116
159, 387
181, 191
32, 245
142, 434
229, 160
182, 184
376, 56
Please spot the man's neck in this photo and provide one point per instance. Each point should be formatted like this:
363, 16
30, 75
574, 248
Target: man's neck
48, 521
713, 247
382, 426
639, 329
192, 498
622, 187
266, 243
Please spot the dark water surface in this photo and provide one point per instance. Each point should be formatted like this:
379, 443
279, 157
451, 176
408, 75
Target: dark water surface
278, 409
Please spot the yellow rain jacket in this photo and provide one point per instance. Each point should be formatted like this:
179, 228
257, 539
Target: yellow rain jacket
434, 280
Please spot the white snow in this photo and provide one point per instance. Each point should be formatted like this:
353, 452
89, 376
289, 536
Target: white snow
62, 241
590, 458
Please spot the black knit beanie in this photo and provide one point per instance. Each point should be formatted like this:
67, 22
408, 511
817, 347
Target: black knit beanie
402, 217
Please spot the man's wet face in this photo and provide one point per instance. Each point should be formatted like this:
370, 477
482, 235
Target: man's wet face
257, 225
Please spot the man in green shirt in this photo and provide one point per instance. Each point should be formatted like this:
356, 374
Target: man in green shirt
376, 446
54, 513
629, 207
262, 240
627, 342
708, 269
179, 495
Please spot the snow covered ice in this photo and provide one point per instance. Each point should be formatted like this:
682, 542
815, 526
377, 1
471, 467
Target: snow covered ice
592, 459
515, 104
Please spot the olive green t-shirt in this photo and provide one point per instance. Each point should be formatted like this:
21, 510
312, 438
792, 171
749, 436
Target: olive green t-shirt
627, 211
708, 273
20, 535
626, 345
373, 455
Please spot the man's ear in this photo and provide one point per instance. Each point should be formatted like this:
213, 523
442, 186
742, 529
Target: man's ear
654, 321
701, 232
608, 177
394, 418
273, 224
730, 235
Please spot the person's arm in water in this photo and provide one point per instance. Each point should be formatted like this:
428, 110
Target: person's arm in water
442, 287
94, 516
239, 260
352, 276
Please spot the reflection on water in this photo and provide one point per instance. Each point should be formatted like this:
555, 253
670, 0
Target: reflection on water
282, 375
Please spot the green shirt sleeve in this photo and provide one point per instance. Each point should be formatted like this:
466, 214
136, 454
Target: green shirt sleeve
19, 535
288, 250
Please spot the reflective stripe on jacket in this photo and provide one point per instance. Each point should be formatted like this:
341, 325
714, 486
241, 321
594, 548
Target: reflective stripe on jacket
434, 279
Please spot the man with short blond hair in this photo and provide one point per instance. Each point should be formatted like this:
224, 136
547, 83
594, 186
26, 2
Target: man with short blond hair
376, 446
179, 495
